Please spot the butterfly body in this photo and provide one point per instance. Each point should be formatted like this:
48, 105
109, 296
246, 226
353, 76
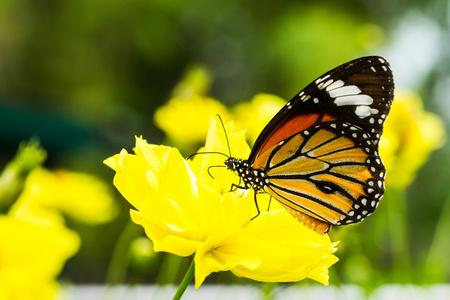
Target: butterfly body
253, 178
319, 155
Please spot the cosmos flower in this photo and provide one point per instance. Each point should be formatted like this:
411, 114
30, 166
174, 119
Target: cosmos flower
187, 208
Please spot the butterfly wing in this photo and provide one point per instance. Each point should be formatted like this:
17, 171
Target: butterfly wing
320, 152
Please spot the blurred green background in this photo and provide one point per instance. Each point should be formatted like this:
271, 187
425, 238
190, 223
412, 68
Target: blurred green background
86, 77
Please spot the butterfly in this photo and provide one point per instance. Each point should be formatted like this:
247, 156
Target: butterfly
319, 156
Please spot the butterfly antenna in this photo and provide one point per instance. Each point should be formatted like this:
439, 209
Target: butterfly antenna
226, 135
209, 172
212, 152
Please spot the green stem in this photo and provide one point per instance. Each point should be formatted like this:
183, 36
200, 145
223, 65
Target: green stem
399, 237
170, 269
437, 264
186, 280
118, 265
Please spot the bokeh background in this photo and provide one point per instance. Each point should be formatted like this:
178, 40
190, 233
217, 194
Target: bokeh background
86, 76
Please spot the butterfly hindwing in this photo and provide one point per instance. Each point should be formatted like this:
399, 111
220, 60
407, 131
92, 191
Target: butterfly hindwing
333, 173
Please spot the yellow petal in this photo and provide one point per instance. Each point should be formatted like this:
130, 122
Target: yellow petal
208, 165
176, 178
166, 238
32, 254
112, 161
274, 248
131, 178
152, 153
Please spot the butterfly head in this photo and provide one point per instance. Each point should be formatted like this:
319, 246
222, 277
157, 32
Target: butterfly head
236, 165
253, 178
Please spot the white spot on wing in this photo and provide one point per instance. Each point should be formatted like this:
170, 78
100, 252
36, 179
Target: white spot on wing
345, 90
362, 111
322, 79
326, 84
335, 85
354, 100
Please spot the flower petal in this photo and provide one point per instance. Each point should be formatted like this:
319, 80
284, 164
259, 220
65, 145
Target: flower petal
274, 247
165, 238
131, 177
307, 249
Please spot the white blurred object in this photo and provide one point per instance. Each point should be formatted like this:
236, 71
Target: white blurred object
246, 292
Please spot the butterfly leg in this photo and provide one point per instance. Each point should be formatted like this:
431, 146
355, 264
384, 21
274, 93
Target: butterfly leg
270, 201
257, 207
235, 187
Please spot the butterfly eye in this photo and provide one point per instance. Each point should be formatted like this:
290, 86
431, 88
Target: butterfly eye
327, 187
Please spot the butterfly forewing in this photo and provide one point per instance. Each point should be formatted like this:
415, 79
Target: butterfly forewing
359, 92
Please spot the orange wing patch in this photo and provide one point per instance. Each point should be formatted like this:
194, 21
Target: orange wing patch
357, 172
318, 139
288, 149
339, 144
304, 196
310, 222
306, 164
293, 126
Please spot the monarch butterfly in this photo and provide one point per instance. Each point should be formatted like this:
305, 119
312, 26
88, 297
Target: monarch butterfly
319, 155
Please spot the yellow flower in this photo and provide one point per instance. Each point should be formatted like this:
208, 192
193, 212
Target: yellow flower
185, 211
255, 115
185, 121
195, 81
32, 253
410, 135
185, 117
80, 196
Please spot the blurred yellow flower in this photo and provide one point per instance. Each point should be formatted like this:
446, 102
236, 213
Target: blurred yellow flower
185, 211
185, 121
195, 81
32, 253
410, 135
81, 196
255, 115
